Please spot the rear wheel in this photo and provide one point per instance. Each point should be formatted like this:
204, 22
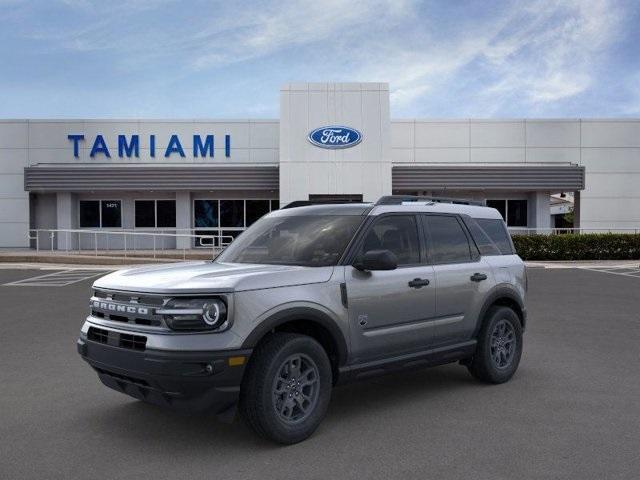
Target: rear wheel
286, 390
499, 347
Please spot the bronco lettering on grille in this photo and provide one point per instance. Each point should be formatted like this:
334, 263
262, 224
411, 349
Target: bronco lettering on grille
116, 307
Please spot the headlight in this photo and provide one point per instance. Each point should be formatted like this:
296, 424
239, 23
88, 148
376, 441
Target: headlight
195, 314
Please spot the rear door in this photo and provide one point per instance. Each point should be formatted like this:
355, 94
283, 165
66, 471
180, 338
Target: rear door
389, 311
462, 277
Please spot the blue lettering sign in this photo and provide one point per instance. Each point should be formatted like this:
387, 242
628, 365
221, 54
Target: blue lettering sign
152, 146
174, 147
75, 139
130, 148
99, 146
198, 147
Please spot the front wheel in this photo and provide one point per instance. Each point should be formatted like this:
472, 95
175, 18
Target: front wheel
499, 347
286, 390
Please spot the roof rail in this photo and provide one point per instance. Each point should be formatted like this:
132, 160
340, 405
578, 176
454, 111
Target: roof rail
400, 199
307, 203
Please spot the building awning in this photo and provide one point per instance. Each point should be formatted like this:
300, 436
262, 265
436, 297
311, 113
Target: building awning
75, 178
560, 178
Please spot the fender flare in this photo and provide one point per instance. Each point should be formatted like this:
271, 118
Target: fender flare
300, 313
499, 292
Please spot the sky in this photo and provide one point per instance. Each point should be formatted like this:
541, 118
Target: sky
228, 59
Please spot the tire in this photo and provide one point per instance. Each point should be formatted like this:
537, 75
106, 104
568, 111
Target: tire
277, 405
499, 346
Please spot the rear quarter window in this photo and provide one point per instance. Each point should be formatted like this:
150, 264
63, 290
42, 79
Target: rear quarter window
497, 232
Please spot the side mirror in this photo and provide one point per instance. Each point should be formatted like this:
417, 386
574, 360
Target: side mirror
376, 260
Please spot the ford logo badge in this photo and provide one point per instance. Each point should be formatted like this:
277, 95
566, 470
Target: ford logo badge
335, 136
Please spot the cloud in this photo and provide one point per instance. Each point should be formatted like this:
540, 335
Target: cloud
545, 52
460, 57
289, 24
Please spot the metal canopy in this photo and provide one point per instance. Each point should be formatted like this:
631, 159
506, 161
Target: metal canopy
73, 178
483, 177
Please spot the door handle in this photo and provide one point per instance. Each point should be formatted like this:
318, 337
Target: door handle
478, 277
418, 283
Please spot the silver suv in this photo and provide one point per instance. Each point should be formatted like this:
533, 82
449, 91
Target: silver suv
310, 297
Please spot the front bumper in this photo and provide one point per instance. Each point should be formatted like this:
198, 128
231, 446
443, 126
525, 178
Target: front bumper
187, 381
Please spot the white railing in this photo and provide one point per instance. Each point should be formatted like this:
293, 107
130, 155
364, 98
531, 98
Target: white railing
559, 231
128, 242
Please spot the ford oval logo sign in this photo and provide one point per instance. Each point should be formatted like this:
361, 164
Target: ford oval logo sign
335, 136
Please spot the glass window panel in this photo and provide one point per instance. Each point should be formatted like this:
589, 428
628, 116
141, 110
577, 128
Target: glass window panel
397, 234
484, 243
166, 213
111, 213
447, 241
311, 240
256, 209
90, 214
517, 213
145, 213
500, 205
206, 213
232, 213
498, 233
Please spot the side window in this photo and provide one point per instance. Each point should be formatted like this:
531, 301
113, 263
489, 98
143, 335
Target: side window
484, 243
397, 233
447, 242
498, 233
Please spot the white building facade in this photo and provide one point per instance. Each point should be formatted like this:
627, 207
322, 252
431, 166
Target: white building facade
221, 175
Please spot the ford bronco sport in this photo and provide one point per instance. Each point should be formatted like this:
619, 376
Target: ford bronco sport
307, 298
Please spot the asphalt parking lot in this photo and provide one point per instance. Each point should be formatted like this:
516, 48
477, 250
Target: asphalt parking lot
571, 411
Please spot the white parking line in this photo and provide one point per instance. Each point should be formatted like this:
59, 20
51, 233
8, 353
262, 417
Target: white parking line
622, 270
57, 279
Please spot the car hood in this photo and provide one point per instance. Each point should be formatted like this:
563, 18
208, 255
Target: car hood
208, 277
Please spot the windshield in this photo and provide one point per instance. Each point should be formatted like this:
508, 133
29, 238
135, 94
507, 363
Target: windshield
309, 240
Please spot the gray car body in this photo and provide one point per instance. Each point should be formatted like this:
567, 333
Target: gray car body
372, 316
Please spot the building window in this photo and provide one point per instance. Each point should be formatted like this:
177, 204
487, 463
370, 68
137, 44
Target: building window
517, 213
100, 214
155, 213
500, 205
232, 213
514, 212
256, 209
205, 213
145, 213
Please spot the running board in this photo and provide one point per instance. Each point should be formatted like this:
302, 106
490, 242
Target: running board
425, 358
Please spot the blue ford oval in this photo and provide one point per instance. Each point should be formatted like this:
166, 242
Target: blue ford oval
335, 136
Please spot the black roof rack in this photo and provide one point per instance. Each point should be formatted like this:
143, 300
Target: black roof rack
400, 199
307, 203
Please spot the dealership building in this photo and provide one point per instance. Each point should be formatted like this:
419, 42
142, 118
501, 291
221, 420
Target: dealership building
333, 141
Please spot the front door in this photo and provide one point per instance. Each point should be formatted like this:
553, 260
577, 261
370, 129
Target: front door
389, 311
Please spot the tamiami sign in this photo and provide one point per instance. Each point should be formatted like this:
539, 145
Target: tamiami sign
129, 146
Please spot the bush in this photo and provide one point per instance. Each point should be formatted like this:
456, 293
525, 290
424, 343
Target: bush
585, 246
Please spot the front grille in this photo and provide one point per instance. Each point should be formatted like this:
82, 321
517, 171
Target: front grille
128, 308
152, 300
116, 339
98, 335
133, 342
